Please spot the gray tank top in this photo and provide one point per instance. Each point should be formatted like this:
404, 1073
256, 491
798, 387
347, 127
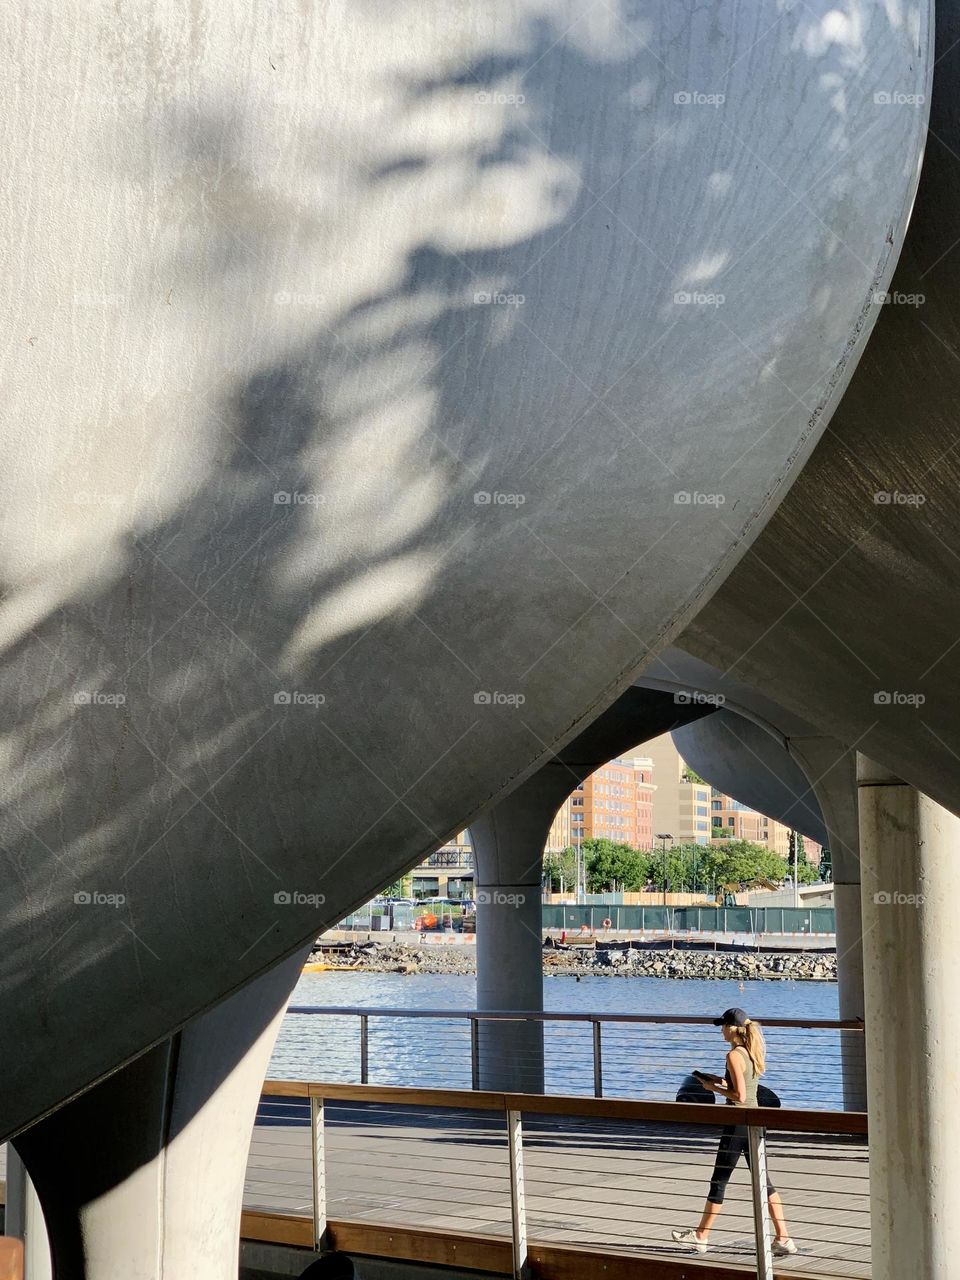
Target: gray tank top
750, 1077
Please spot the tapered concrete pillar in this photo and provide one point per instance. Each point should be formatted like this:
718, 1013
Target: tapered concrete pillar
23, 1218
141, 1178
510, 977
831, 770
911, 845
508, 845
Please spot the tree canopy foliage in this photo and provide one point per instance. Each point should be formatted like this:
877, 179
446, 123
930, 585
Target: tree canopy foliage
612, 866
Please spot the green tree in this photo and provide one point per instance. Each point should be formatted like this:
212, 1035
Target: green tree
612, 865
560, 870
807, 873
742, 860
686, 867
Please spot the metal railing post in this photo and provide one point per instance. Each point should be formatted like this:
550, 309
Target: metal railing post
597, 1061
364, 1056
761, 1215
318, 1176
518, 1209
474, 1054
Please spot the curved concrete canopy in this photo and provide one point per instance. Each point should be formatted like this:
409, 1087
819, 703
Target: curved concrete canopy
687, 677
508, 839
739, 758
354, 363
844, 610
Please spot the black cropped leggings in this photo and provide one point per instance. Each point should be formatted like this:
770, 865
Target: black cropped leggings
733, 1145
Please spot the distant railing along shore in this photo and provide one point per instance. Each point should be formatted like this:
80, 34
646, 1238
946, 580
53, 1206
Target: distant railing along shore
613, 1055
570, 917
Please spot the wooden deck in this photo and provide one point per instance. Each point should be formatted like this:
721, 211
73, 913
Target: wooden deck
610, 1187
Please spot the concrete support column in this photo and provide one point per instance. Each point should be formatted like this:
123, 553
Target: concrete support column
911, 980
510, 977
141, 1178
831, 771
508, 845
23, 1218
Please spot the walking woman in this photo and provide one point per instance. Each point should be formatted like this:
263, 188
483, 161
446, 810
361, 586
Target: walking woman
746, 1063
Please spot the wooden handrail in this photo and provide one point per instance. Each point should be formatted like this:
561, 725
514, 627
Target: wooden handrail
686, 1113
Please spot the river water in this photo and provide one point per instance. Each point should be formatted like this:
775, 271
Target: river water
638, 1060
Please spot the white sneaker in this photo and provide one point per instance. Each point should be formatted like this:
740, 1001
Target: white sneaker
690, 1238
782, 1248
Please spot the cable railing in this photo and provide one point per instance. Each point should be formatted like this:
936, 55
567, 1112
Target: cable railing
813, 1062
563, 1185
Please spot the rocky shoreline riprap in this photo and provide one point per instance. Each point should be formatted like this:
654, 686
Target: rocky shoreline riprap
395, 957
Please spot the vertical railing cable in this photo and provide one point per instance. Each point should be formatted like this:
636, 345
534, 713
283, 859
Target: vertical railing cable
518, 1210
761, 1214
597, 1061
318, 1175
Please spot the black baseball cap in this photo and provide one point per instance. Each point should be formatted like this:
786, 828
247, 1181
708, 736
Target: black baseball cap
732, 1018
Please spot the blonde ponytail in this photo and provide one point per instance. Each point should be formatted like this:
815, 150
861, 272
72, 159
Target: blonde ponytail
750, 1037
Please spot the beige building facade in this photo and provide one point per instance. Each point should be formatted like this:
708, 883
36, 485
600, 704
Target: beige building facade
681, 802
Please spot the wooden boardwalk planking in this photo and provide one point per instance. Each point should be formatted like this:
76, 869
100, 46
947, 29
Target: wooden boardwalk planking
610, 1186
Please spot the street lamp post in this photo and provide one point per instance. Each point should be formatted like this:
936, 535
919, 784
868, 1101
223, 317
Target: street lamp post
579, 865
663, 837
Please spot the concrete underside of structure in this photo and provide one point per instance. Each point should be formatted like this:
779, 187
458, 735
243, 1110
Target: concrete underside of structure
843, 610
741, 760
347, 399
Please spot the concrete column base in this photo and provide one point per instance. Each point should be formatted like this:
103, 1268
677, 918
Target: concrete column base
846, 901
510, 977
911, 981
832, 773
23, 1218
141, 1178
